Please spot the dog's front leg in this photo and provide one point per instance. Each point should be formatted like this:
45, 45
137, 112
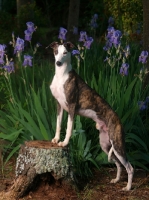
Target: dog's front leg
71, 114
68, 132
58, 123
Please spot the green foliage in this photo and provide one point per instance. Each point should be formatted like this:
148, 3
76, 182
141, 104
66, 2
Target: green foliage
3, 92
30, 12
88, 9
56, 12
8, 5
127, 14
83, 151
28, 113
7, 22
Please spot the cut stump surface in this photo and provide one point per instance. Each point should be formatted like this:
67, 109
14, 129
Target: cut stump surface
36, 158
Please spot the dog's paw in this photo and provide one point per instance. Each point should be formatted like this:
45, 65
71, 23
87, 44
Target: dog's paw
127, 188
115, 180
62, 144
55, 140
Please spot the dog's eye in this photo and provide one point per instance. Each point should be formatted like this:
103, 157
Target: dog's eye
65, 53
55, 52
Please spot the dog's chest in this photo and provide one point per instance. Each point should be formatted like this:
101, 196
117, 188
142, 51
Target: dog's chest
57, 89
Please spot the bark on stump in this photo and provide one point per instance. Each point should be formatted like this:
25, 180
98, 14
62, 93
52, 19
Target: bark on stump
39, 157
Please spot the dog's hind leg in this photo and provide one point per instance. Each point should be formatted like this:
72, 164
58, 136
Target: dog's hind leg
119, 156
118, 175
119, 167
105, 142
127, 166
108, 149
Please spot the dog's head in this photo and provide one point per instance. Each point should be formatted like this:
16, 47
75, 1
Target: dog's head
61, 52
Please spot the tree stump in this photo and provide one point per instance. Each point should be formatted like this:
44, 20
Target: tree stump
39, 157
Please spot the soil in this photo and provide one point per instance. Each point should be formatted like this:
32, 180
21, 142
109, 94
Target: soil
98, 188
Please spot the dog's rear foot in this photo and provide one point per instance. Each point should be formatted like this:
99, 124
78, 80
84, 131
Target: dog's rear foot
115, 180
127, 188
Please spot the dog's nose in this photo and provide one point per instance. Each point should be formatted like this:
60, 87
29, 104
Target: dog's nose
58, 63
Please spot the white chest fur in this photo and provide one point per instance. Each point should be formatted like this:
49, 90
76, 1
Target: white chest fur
57, 89
62, 68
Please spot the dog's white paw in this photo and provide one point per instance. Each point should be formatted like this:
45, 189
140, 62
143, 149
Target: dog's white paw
126, 188
55, 140
115, 180
62, 144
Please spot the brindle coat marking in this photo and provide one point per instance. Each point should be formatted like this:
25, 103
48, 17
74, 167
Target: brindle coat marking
80, 96
76, 97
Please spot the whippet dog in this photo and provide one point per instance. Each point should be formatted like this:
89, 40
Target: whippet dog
77, 98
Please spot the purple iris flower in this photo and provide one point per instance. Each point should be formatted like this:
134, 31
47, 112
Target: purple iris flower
117, 33
88, 42
28, 35
62, 33
116, 37
30, 27
113, 37
143, 57
124, 69
27, 60
75, 52
75, 30
93, 21
107, 46
115, 41
19, 47
83, 36
110, 30
2, 52
9, 67
142, 105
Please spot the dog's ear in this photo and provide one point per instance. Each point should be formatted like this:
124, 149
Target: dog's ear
68, 45
54, 45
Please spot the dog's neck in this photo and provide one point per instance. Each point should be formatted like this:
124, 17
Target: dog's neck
63, 70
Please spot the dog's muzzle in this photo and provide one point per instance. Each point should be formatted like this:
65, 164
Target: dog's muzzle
58, 63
